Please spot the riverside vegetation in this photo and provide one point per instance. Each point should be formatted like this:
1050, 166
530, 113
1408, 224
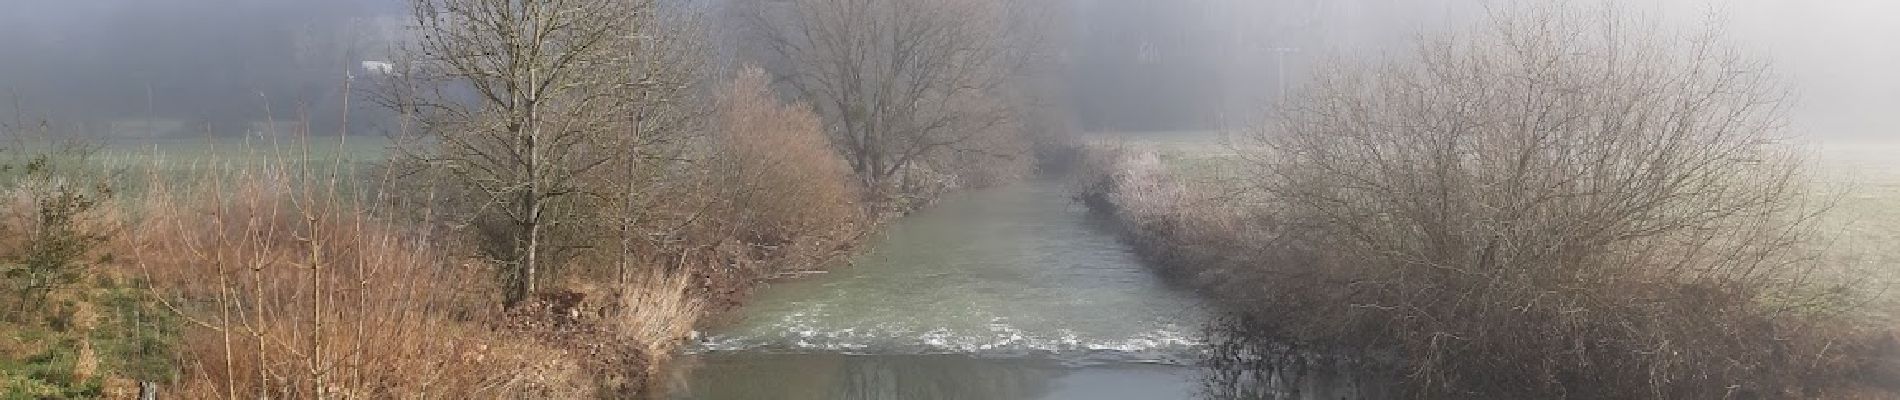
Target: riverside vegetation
1560, 204
265, 276
574, 187
1557, 204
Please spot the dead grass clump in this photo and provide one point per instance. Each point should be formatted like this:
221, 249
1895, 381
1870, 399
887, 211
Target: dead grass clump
658, 313
623, 335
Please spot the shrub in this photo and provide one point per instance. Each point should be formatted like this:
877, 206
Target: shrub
773, 164
70, 324
1558, 205
51, 226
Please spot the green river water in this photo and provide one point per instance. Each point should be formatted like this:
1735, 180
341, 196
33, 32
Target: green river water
998, 294
1005, 293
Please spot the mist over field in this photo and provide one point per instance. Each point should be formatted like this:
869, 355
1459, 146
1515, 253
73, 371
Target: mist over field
1203, 60
1837, 57
1130, 65
184, 62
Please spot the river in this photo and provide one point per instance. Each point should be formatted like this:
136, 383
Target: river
1019, 293
1006, 293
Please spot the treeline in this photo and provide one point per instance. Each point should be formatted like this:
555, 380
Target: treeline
1559, 203
575, 186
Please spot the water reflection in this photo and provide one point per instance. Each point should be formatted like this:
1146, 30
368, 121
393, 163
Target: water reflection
1239, 364
1030, 299
925, 377
1009, 271
1235, 364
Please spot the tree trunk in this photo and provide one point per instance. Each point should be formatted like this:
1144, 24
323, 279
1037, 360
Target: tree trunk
531, 257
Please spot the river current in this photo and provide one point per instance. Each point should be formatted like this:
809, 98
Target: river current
1007, 293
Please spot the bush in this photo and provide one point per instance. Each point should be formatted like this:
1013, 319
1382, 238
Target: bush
1558, 205
70, 323
776, 169
52, 222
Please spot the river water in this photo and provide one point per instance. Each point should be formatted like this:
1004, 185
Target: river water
1018, 293
1006, 293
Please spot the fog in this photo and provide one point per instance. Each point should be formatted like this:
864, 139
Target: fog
184, 65
1839, 57
1146, 65
1130, 65
1201, 64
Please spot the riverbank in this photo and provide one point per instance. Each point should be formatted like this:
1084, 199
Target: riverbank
275, 270
1190, 228
1187, 216
299, 267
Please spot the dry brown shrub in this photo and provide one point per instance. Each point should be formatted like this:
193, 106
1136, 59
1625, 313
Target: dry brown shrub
772, 196
778, 173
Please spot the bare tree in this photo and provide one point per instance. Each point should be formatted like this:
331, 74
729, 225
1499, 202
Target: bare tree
901, 81
525, 102
1562, 204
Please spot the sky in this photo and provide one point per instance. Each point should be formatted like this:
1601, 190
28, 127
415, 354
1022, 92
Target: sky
194, 62
1840, 57
1133, 64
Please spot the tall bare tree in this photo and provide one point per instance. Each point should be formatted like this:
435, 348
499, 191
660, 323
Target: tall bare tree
525, 102
901, 81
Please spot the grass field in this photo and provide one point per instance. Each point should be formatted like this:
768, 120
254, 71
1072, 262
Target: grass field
1863, 180
190, 161
186, 154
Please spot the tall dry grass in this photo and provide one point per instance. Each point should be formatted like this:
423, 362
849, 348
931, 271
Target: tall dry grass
290, 291
664, 310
